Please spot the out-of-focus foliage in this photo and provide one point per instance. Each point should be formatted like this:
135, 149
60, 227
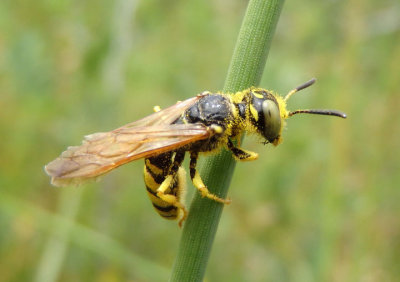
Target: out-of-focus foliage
323, 206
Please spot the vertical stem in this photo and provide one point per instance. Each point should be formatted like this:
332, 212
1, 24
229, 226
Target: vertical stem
245, 70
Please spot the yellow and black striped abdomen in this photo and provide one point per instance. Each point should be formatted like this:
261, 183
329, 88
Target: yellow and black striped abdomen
156, 170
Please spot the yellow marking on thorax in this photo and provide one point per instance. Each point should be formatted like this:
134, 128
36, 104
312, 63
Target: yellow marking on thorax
239, 96
235, 111
216, 128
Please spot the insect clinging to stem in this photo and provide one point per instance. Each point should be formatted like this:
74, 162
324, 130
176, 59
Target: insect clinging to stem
204, 123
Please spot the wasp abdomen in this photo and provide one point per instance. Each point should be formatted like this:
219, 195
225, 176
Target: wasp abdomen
156, 170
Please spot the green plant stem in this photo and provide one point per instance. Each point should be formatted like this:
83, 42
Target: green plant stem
245, 70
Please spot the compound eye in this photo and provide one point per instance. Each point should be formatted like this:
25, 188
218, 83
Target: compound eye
272, 120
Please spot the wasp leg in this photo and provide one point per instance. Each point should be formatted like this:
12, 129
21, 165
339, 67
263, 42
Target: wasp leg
240, 154
198, 182
168, 183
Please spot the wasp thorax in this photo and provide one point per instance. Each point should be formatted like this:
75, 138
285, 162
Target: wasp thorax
272, 120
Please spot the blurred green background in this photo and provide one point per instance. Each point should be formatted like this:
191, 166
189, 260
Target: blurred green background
323, 206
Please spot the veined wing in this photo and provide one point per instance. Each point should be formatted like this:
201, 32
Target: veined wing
104, 151
167, 115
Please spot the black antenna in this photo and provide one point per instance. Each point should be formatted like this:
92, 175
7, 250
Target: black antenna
301, 87
314, 112
320, 112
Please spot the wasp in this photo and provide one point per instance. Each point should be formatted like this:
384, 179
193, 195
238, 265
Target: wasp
202, 124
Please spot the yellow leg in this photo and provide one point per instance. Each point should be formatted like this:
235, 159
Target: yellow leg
171, 199
199, 184
241, 154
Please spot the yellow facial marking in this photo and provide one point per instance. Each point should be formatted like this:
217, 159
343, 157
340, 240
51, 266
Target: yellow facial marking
260, 96
254, 112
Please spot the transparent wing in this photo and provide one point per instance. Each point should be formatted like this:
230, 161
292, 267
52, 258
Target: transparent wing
104, 151
167, 115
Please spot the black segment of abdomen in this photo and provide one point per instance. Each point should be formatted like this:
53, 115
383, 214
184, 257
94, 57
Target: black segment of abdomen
163, 162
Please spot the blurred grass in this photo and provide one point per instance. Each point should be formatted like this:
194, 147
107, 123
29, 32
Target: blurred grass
321, 206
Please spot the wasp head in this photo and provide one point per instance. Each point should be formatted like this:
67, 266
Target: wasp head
267, 114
